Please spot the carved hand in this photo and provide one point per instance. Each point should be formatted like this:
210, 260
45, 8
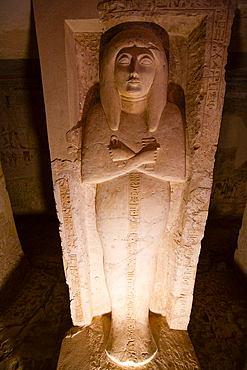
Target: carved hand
147, 155
119, 151
125, 157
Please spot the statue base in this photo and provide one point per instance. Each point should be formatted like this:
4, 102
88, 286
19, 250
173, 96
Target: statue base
84, 348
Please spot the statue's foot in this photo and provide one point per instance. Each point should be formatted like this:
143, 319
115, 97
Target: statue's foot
131, 348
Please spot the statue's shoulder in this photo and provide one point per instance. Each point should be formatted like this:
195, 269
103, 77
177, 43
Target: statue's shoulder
96, 113
171, 116
172, 109
96, 124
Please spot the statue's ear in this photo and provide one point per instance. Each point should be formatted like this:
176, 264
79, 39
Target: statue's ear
109, 95
157, 97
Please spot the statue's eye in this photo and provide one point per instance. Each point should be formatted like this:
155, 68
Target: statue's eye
124, 59
146, 60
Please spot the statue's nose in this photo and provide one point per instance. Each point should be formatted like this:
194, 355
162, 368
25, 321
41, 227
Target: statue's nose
134, 68
134, 74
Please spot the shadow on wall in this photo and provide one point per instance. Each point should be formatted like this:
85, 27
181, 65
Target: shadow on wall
23, 136
37, 113
237, 57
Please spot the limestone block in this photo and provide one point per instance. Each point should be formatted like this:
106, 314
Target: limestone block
240, 255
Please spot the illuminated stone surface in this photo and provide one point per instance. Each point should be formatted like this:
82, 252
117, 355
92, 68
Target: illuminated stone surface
83, 348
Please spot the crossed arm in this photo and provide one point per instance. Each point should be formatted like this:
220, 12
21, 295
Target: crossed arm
118, 160
121, 154
105, 157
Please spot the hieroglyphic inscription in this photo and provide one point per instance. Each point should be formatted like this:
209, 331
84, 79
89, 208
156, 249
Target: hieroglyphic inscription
133, 239
74, 270
70, 242
216, 61
230, 188
187, 4
111, 7
220, 26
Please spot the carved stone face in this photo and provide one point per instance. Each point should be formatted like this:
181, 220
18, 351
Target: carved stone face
134, 72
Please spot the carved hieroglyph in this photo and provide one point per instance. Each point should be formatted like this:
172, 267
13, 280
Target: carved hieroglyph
199, 34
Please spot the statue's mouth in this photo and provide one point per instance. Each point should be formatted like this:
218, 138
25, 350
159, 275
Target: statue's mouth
133, 81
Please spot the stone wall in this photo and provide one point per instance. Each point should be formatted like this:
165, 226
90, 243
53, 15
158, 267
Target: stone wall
23, 140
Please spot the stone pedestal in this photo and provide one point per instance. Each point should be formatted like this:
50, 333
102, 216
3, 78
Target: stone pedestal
83, 348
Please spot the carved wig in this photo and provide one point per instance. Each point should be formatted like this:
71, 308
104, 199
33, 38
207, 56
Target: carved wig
157, 95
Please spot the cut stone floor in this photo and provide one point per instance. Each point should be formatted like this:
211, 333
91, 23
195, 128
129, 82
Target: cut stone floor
37, 317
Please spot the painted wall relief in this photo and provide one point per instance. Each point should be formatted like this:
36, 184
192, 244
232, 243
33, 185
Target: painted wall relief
133, 146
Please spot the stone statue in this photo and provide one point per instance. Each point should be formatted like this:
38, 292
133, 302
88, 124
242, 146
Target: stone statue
133, 146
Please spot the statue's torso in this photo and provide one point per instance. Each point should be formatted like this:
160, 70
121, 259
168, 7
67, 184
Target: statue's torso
133, 132
116, 197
